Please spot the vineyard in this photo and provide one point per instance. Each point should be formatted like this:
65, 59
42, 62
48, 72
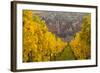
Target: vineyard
40, 43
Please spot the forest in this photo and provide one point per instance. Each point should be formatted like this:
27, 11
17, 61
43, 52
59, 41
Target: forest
56, 36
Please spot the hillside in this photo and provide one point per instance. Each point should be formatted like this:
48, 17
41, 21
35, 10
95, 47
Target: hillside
63, 24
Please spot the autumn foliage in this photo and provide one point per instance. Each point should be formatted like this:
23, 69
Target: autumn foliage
39, 44
81, 44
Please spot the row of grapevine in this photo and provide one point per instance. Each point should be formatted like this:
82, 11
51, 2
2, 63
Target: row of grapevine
38, 43
81, 44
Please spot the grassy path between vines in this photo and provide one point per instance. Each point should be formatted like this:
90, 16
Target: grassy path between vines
66, 54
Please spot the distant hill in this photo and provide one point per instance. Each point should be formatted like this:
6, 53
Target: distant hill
63, 24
